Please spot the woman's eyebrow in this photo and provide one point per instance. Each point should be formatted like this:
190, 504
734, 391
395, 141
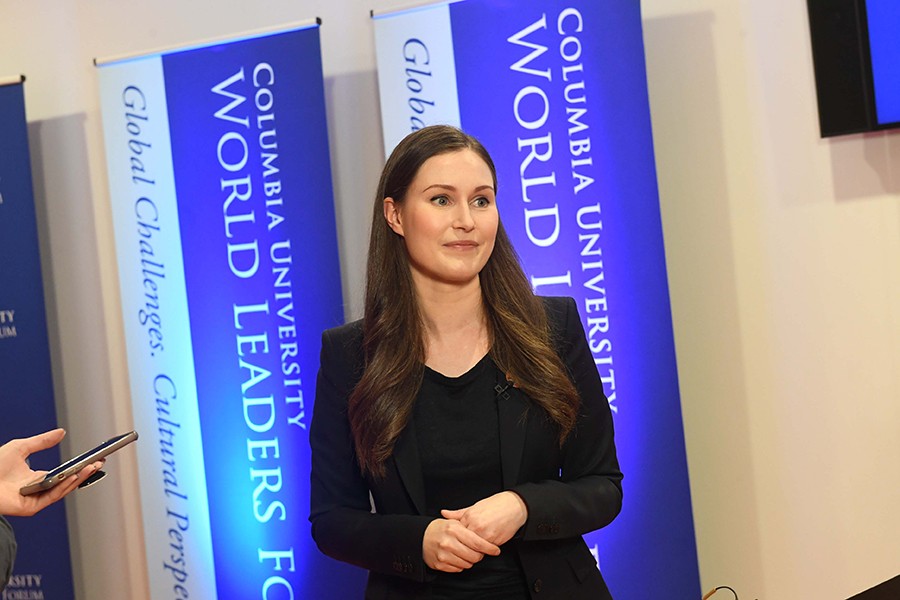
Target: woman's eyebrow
446, 186
443, 186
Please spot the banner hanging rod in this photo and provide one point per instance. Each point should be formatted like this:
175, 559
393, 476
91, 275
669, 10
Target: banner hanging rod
255, 33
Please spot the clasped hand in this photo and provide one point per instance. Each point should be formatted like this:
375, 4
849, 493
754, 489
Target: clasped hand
465, 535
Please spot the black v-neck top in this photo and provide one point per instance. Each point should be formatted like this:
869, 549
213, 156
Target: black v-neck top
457, 431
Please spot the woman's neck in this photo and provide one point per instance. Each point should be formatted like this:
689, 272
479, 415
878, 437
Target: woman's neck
455, 328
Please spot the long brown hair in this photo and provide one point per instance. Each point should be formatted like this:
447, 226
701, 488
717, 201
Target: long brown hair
393, 333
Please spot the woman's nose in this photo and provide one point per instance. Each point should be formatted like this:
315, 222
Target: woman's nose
464, 219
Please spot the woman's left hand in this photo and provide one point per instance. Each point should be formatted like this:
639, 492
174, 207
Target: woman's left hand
496, 518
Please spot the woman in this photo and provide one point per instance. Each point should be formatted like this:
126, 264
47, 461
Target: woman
469, 409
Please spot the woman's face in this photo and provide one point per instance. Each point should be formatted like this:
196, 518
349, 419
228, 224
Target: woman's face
448, 218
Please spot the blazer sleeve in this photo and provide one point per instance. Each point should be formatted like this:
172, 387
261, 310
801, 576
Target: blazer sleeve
344, 524
7, 552
587, 495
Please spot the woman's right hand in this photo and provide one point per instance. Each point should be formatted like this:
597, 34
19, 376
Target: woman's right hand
448, 546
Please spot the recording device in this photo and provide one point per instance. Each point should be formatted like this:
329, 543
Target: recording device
76, 464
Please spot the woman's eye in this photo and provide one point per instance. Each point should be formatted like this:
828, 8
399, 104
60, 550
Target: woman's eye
441, 200
481, 202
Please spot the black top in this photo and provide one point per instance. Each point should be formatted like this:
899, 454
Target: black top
457, 430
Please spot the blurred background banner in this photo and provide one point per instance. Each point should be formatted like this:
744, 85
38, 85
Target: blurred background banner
557, 93
42, 568
220, 184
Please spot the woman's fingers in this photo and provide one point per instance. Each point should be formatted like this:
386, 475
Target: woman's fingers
495, 518
450, 547
453, 514
62, 489
42, 441
477, 543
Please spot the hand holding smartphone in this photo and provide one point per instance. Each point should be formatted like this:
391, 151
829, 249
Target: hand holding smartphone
70, 467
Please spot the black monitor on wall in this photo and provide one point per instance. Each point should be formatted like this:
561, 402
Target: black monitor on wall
856, 56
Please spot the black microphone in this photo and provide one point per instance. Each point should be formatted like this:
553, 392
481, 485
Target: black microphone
502, 386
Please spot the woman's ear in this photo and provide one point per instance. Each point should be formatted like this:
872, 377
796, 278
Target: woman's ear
392, 216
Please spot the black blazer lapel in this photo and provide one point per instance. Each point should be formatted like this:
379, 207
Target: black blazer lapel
409, 465
512, 406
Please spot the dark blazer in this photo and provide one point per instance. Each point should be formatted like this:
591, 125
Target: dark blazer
569, 491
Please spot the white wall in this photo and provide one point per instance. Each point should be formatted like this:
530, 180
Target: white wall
784, 266
783, 251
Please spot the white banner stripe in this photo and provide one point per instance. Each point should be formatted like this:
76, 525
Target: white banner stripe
416, 72
160, 355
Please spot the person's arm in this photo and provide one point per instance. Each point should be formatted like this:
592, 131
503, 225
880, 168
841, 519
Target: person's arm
7, 552
588, 494
343, 524
15, 474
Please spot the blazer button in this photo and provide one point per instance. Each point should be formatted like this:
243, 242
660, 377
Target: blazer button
538, 584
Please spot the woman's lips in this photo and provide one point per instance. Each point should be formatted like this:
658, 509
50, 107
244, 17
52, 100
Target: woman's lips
462, 244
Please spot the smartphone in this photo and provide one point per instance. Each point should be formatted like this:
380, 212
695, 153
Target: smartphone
76, 464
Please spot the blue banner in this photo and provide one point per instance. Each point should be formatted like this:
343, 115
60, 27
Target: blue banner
228, 251
250, 150
557, 93
43, 568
